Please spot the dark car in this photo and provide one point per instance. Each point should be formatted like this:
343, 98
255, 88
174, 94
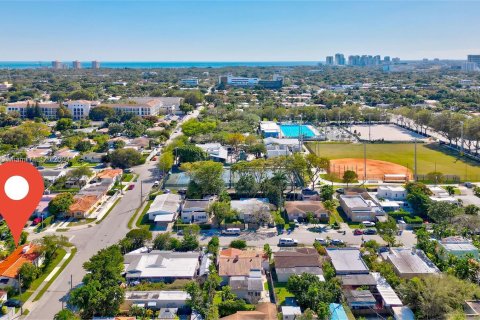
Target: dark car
369, 231
340, 190
13, 303
130, 187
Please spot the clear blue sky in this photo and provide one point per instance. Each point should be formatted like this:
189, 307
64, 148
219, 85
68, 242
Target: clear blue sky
226, 30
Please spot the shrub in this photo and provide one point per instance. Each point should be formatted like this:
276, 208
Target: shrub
413, 220
238, 244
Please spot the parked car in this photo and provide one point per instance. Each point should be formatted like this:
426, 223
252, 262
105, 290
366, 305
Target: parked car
36, 221
156, 183
323, 242
231, 232
468, 185
368, 224
13, 303
336, 242
340, 190
369, 231
357, 232
287, 242
154, 159
131, 187
127, 170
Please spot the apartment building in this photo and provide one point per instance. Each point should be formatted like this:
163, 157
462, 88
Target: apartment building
80, 109
46, 108
149, 106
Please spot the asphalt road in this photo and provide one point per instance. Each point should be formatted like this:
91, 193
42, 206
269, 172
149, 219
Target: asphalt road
89, 241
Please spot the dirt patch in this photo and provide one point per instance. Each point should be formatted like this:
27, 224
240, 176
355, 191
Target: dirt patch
376, 169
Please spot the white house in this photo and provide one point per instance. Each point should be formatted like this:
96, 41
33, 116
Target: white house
252, 210
195, 211
164, 208
397, 193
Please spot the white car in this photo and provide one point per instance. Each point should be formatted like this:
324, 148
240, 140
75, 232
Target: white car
322, 241
156, 183
287, 242
368, 224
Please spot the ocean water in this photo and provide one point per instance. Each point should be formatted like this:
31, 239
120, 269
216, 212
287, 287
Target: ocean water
157, 64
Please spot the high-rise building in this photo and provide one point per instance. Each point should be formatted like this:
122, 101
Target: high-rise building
396, 60
76, 64
470, 66
475, 58
56, 64
329, 61
386, 59
339, 59
95, 64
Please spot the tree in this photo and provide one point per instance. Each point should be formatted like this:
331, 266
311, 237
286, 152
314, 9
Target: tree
213, 245
436, 296
165, 241
435, 177
247, 186
442, 212
60, 203
100, 113
330, 205
125, 158
77, 174
186, 107
326, 192
65, 314
81, 95
191, 153
139, 237
194, 127
119, 144
238, 244
83, 146
190, 238
28, 272
64, 124
349, 176
165, 161
315, 166
101, 294
207, 175
221, 210
63, 112
472, 209
450, 190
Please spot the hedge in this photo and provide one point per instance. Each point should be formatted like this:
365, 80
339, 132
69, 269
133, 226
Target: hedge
413, 220
181, 226
398, 214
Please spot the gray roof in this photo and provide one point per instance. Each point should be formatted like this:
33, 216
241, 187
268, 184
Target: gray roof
358, 280
347, 261
410, 261
200, 204
354, 201
165, 203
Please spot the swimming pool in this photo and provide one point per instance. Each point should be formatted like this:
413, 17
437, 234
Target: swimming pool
295, 130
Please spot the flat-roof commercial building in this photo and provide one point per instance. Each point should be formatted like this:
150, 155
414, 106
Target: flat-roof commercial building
359, 209
189, 82
398, 193
270, 129
347, 261
160, 266
409, 263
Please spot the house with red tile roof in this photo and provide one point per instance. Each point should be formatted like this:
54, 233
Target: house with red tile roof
10, 267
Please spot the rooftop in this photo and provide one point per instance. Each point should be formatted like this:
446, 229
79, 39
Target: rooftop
156, 295
389, 296
165, 203
315, 207
358, 280
23, 254
301, 257
235, 262
83, 203
109, 173
410, 261
347, 261
354, 201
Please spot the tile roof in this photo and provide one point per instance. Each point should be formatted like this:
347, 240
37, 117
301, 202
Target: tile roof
10, 266
304, 207
234, 262
109, 173
83, 203
263, 311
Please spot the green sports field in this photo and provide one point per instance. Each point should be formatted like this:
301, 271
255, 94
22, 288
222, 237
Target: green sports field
430, 157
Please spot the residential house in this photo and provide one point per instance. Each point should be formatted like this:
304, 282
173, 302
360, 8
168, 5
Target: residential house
347, 261
385, 292
93, 157
397, 193
249, 288
35, 153
354, 281
252, 210
234, 262
300, 209
360, 299
359, 209
408, 263
459, 247
195, 211
310, 195
88, 199
291, 312
167, 313
42, 207
65, 154
215, 151
164, 209
156, 299
263, 311
298, 261
52, 175
160, 266
110, 176
10, 267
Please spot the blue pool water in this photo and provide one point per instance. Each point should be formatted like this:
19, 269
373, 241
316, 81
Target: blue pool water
295, 130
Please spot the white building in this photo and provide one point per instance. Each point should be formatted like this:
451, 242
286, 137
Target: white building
215, 150
80, 109
270, 129
397, 193
165, 208
149, 106
359, 209
46, 108
195, 211
251, 210
189, 82
238, 81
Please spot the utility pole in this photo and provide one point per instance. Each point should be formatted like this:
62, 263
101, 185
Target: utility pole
369, 127
20, 291
71, 281
415, 161
461, 135
364, 162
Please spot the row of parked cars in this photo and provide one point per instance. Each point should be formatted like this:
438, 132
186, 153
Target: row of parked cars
289, 242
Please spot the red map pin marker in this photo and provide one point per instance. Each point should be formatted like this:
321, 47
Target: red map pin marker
21, 189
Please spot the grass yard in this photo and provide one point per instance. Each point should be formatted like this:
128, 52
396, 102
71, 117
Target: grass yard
127, 177
281, 292
143, 221
430, 157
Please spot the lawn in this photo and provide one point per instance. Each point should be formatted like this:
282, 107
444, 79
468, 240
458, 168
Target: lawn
281, 292
81, 222
37, 282
127, 177
430, 157
143, 221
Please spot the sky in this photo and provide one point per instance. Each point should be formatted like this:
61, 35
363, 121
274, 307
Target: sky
229, 30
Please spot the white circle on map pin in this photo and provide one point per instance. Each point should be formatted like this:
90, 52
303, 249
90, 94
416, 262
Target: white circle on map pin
16, 187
